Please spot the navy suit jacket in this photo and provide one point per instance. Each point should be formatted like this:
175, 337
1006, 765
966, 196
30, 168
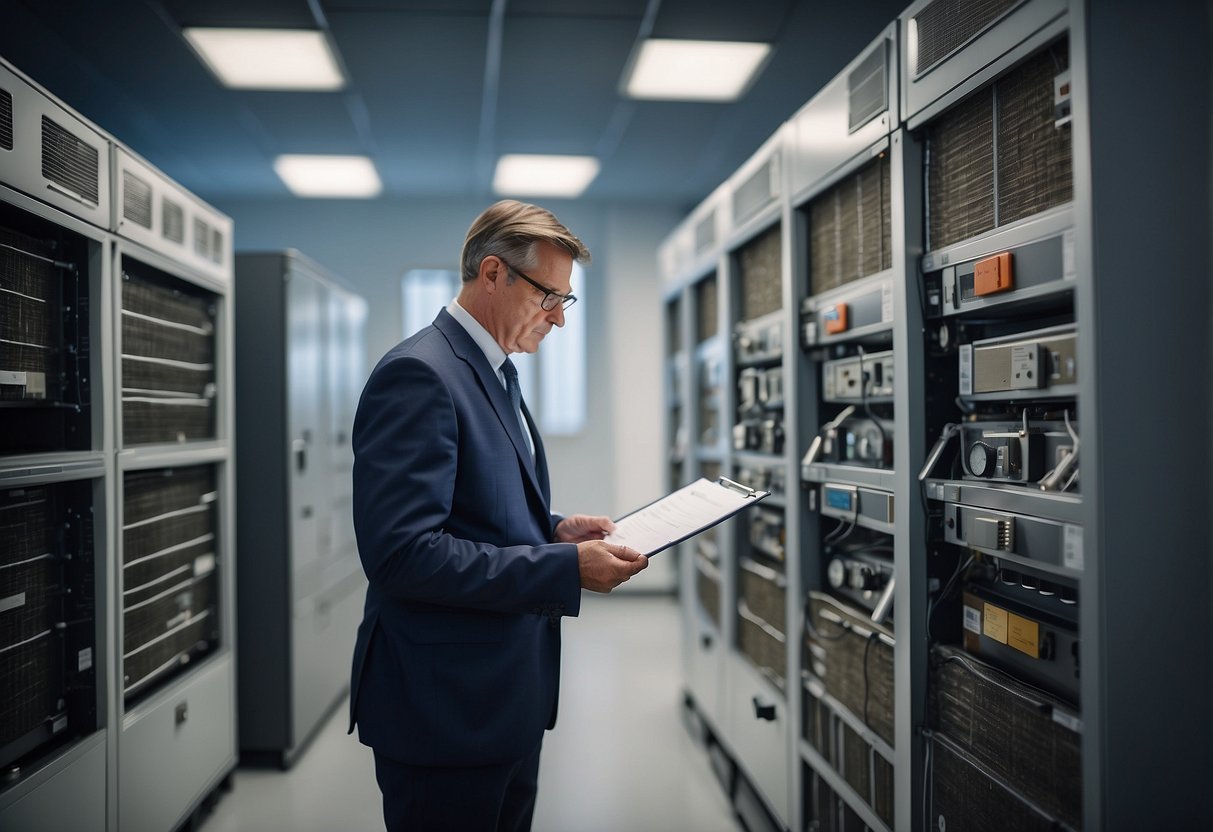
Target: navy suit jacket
457, 660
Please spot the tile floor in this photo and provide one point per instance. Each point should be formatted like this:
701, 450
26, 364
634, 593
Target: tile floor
619, 759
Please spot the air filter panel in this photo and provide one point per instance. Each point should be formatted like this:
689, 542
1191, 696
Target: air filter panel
169, 575
760, 263
168, 358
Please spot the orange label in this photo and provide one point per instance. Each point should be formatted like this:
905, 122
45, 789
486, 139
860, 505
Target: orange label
836, 318
993, 275
994, 623
1024, 635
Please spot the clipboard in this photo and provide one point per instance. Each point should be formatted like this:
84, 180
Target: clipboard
682, 514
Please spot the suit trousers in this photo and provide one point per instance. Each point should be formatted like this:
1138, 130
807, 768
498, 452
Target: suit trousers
497, 798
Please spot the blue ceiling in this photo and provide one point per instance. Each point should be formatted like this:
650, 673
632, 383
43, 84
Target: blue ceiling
430, 99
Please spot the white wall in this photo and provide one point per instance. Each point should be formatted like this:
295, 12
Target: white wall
616, 464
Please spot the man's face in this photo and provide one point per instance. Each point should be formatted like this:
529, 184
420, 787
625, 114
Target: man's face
521, 320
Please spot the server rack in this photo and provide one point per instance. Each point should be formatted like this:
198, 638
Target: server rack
300, 597
174, 571
1001, 597
849, 284
56, 474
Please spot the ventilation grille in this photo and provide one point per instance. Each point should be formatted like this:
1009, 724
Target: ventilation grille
170, 587
70, 162
850, 228
758, 191
960, 172
136, 200
216, 245
30, 671
705, 233
6, 120
202, 238
673, 325
1035, 170
172, 221
858, 674
705, 303
707, 587
168, 361
868, 89
28, 295
946, 25
981, 176
995, 720
760, 262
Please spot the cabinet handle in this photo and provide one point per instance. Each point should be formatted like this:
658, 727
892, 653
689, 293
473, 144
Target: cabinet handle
300, 448
706, 640
181, 713
762, 711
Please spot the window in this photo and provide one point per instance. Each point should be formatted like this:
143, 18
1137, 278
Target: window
423, 293
553, 381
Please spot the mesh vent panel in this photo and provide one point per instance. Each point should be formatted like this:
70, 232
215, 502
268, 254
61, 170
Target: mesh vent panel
946, 25
169, 605
843, 671
216, 245
855, 761
6, 119
708, 588
760, 263
168, 355
756, 192
765, 598
172, 221
1035, 169
968, 799
850, 228
882, 798
202, 238
70, 162
27, 303
960, 172
705, 297
1017, 742
867, 89
136, 200
764, 651
30, 586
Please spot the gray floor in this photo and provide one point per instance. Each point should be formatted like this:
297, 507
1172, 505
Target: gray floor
619, 759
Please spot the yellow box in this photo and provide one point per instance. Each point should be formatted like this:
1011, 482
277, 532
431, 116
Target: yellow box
1024, 635
994, 623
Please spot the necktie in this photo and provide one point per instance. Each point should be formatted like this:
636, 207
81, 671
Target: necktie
515, 392
511, 385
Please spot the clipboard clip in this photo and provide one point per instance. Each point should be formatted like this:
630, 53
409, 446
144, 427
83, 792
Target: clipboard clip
736, 486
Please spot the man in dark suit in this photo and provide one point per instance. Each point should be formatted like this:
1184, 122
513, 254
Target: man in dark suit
457, 662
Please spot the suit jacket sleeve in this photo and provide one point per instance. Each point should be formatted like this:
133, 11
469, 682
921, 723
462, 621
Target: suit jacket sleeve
406, 445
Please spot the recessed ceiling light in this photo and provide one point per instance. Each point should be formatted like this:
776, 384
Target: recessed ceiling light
694, 70
329, 176
522, 174
268, 59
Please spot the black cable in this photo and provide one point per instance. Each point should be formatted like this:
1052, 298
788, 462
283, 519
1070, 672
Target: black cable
945, 592
866, 686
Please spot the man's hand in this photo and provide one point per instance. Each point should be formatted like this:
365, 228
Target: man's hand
604, 566
578, 528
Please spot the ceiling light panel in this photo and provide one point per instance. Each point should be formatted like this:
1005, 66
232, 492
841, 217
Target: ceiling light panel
694, 70
344, 177
520, 174
268, 59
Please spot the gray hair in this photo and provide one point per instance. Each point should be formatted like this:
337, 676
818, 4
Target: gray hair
513, 231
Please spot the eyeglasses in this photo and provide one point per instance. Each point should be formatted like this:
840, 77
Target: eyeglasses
550, 298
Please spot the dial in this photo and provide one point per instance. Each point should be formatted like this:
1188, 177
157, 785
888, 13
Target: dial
982, 458
836, 573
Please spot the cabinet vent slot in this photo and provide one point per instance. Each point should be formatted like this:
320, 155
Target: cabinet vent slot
70, 162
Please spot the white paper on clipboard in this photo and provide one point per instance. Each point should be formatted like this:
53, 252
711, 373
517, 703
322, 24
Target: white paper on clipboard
682, 514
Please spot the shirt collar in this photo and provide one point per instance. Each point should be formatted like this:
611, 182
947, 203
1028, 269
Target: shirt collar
488, 345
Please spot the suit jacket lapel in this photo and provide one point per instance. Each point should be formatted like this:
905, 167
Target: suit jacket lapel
464, 347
